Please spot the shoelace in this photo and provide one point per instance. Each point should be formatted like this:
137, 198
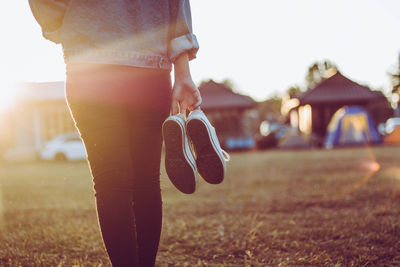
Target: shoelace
225, 154
227, 157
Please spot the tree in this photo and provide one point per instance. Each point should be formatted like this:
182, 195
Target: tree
228, 83
395, 76
270, 108
293, 91
318, 71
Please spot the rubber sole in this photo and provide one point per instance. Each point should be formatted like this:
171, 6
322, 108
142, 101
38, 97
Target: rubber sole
208, 162
177, 166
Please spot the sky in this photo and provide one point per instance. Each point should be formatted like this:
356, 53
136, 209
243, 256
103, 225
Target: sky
262, 46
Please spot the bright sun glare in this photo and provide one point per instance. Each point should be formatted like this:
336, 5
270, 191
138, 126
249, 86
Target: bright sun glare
6, 95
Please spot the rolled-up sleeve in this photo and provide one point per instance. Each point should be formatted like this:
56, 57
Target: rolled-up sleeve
49, 14
182, 38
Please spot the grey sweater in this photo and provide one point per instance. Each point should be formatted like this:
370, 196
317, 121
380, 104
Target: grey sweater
141, 33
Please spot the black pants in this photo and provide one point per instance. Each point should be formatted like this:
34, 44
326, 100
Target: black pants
119, 111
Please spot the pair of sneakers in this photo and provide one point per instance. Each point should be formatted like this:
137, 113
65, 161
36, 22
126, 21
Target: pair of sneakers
192, 148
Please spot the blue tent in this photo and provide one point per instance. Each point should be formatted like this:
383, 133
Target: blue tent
351, 126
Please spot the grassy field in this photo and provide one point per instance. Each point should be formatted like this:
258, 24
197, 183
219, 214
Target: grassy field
287, 208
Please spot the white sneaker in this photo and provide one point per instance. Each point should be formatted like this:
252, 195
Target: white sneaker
210, 157
179, 161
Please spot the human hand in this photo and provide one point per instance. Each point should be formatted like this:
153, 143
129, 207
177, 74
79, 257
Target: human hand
185, 94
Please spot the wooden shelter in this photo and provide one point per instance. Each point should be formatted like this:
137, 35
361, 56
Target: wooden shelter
318, 105
226, 110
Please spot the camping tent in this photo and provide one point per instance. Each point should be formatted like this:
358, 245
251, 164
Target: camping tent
393, 137
351, 126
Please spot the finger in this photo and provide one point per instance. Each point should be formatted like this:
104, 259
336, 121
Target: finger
175, 107
195, 106
193, 102
198, 103
184, 105
196, 94
192, 88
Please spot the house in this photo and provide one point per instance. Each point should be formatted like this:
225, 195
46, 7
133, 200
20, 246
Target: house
315, 108
40, 113
397, 110
230, 113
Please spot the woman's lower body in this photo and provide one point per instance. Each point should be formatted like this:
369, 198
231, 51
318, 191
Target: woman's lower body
119, 111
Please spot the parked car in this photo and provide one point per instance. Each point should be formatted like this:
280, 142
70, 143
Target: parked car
68, 146
240, 142
392, 124
270, 134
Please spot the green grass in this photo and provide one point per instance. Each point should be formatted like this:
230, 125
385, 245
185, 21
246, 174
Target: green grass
274, 208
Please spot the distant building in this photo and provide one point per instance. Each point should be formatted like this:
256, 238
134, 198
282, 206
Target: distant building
397, 110
314, 109
40, 114
230, 113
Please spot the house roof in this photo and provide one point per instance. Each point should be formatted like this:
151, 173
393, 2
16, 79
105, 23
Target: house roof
41, 91
214, 95
218, 96
339, 89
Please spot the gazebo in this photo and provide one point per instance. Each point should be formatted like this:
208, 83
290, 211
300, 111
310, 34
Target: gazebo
317, 106
226, 110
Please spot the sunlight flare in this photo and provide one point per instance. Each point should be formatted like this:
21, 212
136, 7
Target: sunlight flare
371, 166
7, 95
2, 221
